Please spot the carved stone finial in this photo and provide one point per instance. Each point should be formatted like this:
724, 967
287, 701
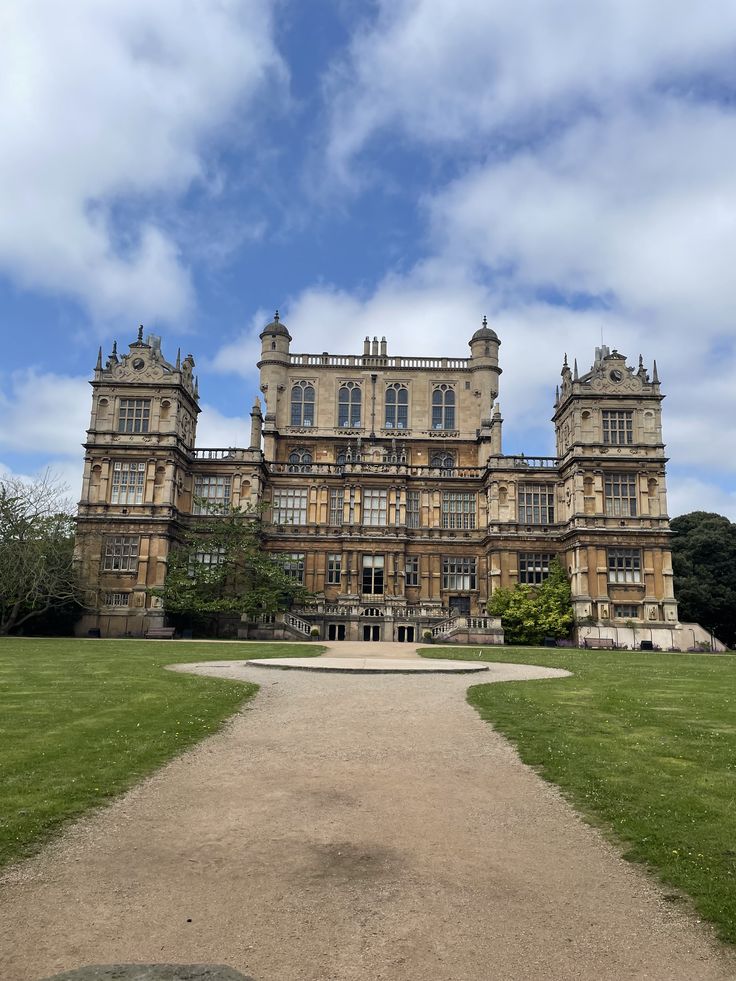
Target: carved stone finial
140, 333
114, 349
98, 366
276, 317
485, 320
575, 374
655, 376
178, 358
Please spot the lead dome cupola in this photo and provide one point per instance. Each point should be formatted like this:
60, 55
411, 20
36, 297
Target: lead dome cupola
484, 333
275, 328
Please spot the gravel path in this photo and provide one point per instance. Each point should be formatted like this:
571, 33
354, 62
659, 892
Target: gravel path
349, 827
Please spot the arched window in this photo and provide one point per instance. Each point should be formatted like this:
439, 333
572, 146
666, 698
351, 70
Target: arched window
397, 407
443, 461
443, 407
302, 404
300, 460
348, 405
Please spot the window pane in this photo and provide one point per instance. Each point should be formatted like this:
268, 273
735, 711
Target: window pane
290, 506
128, 482
211, 491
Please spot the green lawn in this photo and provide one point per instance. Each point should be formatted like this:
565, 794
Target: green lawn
644, 745
81, 720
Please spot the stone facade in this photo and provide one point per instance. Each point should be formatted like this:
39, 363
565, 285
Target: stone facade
385, 488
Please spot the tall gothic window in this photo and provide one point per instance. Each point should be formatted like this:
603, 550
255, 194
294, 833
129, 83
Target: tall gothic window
302, 404
397, 407
348, 405
443, 407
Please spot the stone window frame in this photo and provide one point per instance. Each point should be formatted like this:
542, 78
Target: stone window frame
337, 506
374, 507
134, 415
212, 492
413, 513
398, 408
293, 565
617, 427
535, 503
372, 575
120, 553
303, 387
300, 460
123, 489
118, 599
533, 567
333, 569
621, 495
623, 611
459, 510
459, 573
349, 421
443, 405
624, 565
411, 570
289, 505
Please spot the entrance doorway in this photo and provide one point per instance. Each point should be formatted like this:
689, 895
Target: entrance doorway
336, 631
371, 631
405, 635
460, 606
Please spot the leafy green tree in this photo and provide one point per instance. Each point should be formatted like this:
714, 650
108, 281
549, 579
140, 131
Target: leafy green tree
38, 582
704, 566
531, 613
221, 567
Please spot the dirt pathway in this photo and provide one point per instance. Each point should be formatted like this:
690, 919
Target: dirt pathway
343, 828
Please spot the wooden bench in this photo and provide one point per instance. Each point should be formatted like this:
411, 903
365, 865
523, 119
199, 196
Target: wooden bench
160, 633
600, 642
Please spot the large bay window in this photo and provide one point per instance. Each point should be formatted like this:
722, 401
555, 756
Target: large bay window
211, 493
128, 482
289, 506
459, 573
624, 565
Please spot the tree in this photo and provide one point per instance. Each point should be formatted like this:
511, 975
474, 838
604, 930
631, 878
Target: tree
220, 567
37, 576
531, 613
704, 566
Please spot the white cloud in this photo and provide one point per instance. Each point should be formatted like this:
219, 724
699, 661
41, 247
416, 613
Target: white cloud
444, 71
102, 105
44, 413
687, 494
217, 430
639, 209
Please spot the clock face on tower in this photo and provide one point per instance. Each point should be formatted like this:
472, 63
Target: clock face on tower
616, 375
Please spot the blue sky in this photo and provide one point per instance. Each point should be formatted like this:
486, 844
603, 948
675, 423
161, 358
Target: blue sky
389, 168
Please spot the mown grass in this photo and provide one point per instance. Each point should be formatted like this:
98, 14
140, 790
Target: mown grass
82, 720
643, 745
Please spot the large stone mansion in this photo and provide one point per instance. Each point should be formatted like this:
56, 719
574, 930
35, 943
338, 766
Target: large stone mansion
386, 490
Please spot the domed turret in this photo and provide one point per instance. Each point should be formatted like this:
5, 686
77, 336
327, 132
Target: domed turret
275, 329
275, 339
484, 333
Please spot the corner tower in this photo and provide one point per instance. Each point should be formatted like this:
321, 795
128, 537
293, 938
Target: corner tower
137, 466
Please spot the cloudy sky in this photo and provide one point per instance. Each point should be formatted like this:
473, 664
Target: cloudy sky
397, 167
